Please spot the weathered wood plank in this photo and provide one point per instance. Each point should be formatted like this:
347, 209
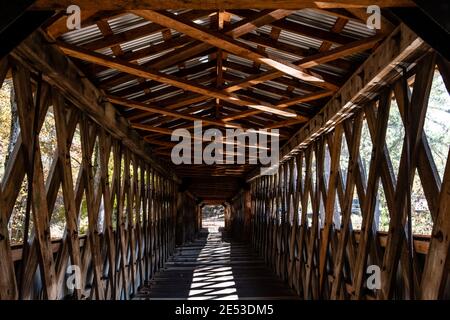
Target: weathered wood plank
213, 5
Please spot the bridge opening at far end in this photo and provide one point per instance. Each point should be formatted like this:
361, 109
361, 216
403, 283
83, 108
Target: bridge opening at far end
213, 218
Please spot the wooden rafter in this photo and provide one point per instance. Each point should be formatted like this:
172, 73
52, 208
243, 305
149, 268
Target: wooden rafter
197, 48
307, 62
83, 91
219, 40
161, 77
155, 109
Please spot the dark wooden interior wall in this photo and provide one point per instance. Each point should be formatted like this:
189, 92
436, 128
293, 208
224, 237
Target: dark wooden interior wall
188, 220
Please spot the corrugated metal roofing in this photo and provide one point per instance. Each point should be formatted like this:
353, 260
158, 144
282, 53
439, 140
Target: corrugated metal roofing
240, 60
83, 35
359, 30
276, 85
313, 18
266, 93
126, 22
307, 17
167, 95
106, 73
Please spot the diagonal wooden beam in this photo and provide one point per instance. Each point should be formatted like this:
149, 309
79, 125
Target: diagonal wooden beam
335, 153
283, 124
169, 132
136, 33
139, 71
435, 271
408, 161
62, 73
340, 23
401, 46
59, 27
166, 112
267, 41
197, 48
254, 21
310, 61
305, 98
282, 104
312, 32
371, 195
226, 43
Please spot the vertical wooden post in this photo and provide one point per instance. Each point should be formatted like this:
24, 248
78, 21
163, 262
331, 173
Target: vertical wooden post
247, 215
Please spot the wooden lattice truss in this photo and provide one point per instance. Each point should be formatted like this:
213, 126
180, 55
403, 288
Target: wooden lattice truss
134, 197
321, 256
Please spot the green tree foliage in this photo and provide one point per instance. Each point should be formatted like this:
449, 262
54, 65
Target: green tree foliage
9, 130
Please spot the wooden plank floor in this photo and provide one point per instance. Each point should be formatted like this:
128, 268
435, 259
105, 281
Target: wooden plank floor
213, 268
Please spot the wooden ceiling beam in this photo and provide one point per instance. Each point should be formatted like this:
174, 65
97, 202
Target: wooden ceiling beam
213, 5
141, 72
173, 104
59, 27
245, 124
312, 32
310, 61
158, 121
151, 128
285, 123
153, 64
170, 122
305, 98
169, 132
223, 18
195, 99
227, 43
183, 73
290, 84
266, 41
198, 48
37, 52
341, 13
166, 112
254, 21
183, 100
170, 144
136, 33
193, 157
283, 104
174, 43
131, 56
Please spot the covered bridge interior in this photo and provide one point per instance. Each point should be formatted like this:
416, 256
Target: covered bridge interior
88, 182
